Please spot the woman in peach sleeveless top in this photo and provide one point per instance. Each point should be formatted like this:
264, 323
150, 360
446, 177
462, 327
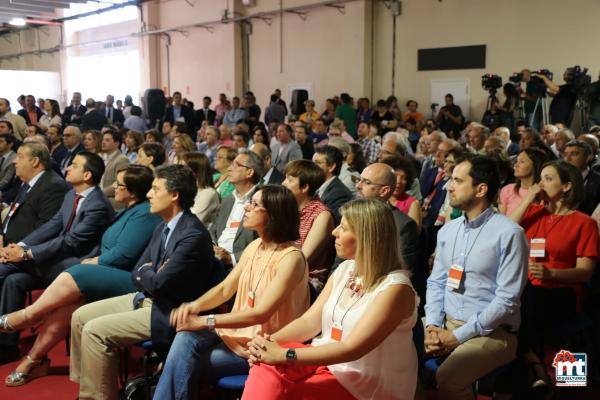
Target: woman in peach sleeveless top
270, 284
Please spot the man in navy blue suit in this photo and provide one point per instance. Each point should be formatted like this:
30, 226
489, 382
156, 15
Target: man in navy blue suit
71, 235
177, 266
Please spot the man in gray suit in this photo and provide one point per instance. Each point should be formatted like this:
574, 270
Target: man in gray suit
227, 231
284, 148
73, 234
114, 161
7, 155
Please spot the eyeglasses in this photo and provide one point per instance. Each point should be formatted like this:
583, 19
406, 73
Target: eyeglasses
119, 185
238, 164
369, 183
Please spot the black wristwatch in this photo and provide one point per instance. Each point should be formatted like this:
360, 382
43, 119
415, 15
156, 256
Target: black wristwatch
291, 356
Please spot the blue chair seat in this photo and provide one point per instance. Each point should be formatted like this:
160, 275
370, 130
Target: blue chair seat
235, 382
146, 345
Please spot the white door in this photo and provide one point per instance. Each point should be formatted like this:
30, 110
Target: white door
458, 87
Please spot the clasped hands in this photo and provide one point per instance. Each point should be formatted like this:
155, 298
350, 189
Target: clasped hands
223, 255
439, 341
11, 254
262, 348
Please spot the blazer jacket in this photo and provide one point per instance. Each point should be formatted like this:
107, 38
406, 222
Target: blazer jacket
94, 119
186, 273
41, 203
55, 249
336, 194
290, 152
23, 113
68, 158
187, 114
7, 169
72, 114
243, 236
115, 162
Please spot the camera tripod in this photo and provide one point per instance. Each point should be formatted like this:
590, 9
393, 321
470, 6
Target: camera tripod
540, 103
491, 98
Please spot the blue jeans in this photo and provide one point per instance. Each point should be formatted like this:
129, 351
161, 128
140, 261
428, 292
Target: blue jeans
196, 357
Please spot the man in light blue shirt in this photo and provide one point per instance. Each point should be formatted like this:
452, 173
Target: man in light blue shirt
236, 114
473, 293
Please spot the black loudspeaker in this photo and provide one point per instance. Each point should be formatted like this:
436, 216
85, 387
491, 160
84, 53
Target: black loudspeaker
299, 96
154, 104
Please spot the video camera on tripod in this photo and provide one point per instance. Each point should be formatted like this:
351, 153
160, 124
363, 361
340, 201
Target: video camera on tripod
491, 82
581, 80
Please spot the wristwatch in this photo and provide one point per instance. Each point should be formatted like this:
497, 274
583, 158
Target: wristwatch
291, 356
211, 322
25, 256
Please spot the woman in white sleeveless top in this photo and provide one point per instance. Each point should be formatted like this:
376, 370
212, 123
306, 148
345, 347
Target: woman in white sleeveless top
364, 318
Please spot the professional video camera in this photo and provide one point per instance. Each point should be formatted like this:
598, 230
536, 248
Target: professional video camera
516, 78
581, 80
491, 82
537, 84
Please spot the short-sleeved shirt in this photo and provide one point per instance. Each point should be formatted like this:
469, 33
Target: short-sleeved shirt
567, 238
511, 199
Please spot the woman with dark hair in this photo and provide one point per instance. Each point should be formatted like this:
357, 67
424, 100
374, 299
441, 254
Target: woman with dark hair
391, 104
92, 141
153, 136
383, 117
303, 178
329, 114
509, 107
133, 141
151, 155
405, 176
527, 169
104, 276
207, 201
52, 115
563, 256
359, 325
270, 285
260, 135
356, 158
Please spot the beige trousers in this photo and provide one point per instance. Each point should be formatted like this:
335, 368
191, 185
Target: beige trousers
472, 360
98, 330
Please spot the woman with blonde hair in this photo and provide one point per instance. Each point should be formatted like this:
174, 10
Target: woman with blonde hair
181, 144
364, 318
92, 141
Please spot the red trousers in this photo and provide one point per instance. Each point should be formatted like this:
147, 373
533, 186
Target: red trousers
293, 382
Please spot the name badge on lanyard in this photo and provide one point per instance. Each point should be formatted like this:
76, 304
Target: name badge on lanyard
336, 332
455, 276
537, 247
251, 296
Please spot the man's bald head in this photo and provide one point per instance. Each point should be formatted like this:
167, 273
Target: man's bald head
377, 181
